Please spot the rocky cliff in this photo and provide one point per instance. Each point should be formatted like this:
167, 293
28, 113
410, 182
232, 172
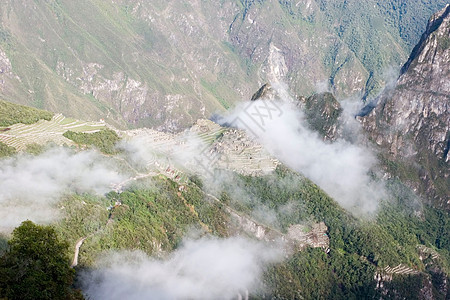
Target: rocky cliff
165, 64
412, 120
322, 111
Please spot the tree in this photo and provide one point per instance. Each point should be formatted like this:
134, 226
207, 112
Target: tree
36, 266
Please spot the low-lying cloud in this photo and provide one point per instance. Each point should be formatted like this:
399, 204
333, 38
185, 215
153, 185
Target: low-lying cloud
207, 268
184, 151
30, 186
340, 168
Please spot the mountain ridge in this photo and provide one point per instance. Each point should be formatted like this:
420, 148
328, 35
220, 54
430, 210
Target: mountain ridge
164, 65
412, 120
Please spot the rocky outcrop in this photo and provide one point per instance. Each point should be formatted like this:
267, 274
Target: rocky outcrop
165, 64
265, 92
5, 64
5, 69
412, 120
322, 112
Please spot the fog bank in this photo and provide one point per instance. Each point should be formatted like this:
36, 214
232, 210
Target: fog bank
208, 268
30, 186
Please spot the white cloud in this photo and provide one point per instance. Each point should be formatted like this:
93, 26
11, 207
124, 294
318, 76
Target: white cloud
30, 186
184, 151
340, 168
322, 86
208, 268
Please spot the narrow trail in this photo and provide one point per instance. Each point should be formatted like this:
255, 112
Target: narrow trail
138, 175
77, 251
82, 239
272, 232
295, 238
117, 188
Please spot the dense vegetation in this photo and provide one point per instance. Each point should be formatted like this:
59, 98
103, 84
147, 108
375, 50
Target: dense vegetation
360, 30
156, 217
36, 265
6, 150
14, 113
152, 218
104, 140
358, 248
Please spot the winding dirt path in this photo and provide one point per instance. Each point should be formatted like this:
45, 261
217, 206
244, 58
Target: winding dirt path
118, 188
77, 251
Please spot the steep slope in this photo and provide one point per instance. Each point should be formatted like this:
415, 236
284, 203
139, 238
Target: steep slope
164, 64
94, 58
412, 121
380, 33
322, 112
328, 252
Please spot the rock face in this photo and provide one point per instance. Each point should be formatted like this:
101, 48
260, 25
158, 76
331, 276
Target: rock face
412, 120
166, 63
322, 113
322, 110
265, 92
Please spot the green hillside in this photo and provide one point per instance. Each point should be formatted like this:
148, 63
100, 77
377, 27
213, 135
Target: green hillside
162, 63
155, 219
405, 240
11, 113
101, 192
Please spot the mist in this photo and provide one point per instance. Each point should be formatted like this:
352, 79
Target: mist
342, 169
31, 186
208, 268
185, 151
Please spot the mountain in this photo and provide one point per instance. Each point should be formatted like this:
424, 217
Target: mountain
164, 64
322, 113
158, 202
411, 121
280, 198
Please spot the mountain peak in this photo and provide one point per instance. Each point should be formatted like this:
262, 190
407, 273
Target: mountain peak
412, 120
438, 27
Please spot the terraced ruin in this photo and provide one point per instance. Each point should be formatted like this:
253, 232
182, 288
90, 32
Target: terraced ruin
205, 146
43, 132
315, 237
425, 252
388, 272
200, 149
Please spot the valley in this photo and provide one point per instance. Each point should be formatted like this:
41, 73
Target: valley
223, 150
165, 65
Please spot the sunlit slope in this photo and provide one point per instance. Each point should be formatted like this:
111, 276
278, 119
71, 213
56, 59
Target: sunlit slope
92, 58
166, 64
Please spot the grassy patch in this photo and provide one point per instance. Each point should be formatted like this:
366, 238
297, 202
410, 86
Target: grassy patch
6, 150
104, 140
212, 88
11, 113
150, 218
35, 148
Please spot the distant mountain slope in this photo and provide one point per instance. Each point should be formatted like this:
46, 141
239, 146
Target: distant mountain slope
159, 202
412, 121
165, 64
